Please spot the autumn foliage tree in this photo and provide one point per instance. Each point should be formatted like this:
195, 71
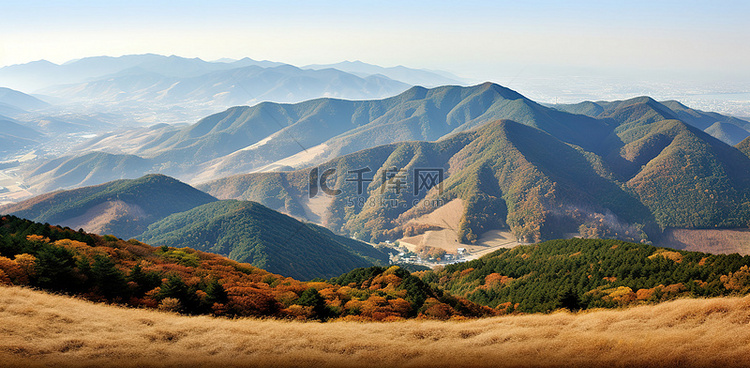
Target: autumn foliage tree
192, 282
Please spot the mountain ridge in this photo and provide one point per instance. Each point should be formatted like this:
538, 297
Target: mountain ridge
243, 139
142, 201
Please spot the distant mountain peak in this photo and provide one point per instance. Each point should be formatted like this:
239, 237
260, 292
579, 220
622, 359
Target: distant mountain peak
675, 103
40, 62
423, 77
505, 92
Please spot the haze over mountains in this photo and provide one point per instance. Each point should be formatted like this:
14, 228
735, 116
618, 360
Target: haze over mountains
424, 78
102, 94
18, 101
155, 88
238, 86
41, 74
15, 136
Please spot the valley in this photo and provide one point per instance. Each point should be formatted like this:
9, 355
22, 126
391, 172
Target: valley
455, 252
11, 188
444, 224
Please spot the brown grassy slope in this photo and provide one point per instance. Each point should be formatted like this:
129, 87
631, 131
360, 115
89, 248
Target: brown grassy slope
38, 329
715, 241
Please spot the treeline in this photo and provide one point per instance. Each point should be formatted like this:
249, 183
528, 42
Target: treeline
574, 274
108, 269
590, 273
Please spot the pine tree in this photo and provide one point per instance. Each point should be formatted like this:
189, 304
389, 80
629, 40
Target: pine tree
54, 268
312, 298
174, 287
107, 279
215, 293
145, 280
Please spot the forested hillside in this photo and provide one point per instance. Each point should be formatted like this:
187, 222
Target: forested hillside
251, 233
744, 146
573, 274
591, 273
105, 268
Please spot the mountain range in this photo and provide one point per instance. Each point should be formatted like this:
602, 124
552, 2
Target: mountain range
416, 77
628, 175
41, 74
96, 95
237, 86
728, 129
271, 135
626, 169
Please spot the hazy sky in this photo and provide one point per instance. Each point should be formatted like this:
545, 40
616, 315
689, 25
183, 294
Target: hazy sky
484, 40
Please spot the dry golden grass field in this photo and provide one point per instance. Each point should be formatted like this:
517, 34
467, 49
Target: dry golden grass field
716, 241
37, 329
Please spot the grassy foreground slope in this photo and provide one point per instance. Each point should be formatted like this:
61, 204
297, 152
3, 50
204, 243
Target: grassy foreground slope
49, 330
